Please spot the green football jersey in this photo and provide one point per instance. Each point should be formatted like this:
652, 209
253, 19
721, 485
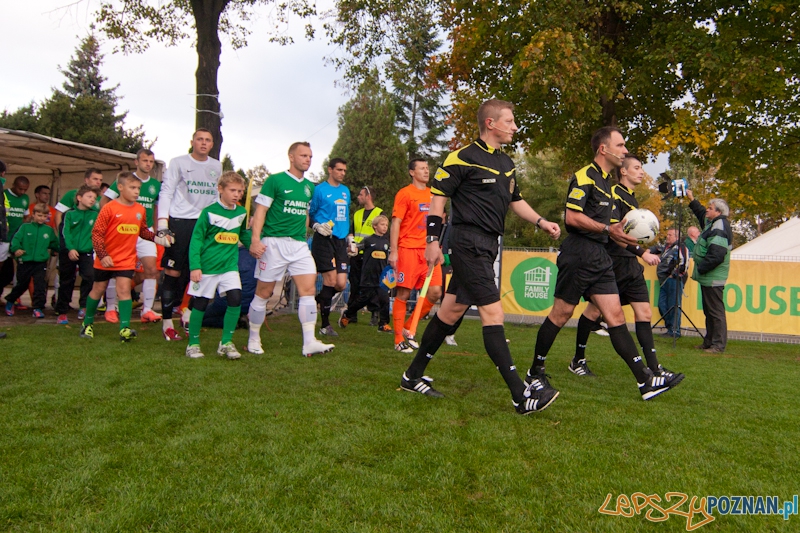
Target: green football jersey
148, 196
16, 211
287, 199
214, 246
70, 201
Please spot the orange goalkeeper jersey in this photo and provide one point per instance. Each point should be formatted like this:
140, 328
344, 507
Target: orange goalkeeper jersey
115, 233
411, 205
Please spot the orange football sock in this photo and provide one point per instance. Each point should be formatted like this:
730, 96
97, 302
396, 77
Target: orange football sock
399, 315
186, 298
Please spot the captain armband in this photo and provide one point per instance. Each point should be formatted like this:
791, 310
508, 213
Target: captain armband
635, 249
434, 226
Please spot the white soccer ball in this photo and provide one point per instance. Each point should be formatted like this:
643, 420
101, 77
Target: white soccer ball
641, 224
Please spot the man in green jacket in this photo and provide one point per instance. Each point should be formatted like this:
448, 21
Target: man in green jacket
31, 246
712, 260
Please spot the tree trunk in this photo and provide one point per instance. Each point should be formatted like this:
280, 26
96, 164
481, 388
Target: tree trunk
209, 49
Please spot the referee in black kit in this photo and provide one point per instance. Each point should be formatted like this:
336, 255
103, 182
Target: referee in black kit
586, 270
481, 182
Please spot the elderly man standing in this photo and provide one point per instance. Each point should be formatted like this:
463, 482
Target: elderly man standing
712, 258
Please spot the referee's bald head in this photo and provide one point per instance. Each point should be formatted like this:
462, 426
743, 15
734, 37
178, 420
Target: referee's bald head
490, 110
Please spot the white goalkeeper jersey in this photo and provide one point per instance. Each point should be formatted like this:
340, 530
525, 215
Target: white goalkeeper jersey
188, 187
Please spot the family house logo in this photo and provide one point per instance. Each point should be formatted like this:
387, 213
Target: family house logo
533, 282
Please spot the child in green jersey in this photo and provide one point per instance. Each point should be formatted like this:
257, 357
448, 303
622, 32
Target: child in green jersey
77, 232
32, 245
214, 263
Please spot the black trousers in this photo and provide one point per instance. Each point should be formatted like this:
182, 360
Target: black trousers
370, 297
66, 274
356, 264
25, 271
716, 321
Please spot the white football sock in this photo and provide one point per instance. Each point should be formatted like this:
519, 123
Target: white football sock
111, 295
149, 294
307, 313
256, 315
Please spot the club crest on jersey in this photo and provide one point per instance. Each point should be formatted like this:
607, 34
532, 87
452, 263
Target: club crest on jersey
138, 216
577, 194
307, 190
441, 174
152, 190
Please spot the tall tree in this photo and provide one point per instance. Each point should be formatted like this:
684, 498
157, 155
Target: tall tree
418, 95
85, 111
717, 80
368, 141
83, 72
135, 22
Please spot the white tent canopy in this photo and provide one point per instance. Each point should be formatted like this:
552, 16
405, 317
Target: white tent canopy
778, 244
60, 164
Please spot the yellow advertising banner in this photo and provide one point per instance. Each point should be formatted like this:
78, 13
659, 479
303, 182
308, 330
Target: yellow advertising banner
760, 297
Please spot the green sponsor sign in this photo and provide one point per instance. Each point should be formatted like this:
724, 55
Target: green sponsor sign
533, 282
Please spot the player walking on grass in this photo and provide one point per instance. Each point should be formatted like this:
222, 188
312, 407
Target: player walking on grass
281, 219
214, 263
629, 276
480, 181
189, 186
146, 250
118, 226
586, 270
412, 205
329, 215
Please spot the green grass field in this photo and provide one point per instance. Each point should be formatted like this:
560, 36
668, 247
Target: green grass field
102, 436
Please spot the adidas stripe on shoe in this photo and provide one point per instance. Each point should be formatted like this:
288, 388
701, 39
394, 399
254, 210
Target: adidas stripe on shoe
538, 401
421, 386
654, 385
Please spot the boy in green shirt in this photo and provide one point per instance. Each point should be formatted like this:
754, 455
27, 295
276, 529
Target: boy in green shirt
31, 246
214, 263
77, 232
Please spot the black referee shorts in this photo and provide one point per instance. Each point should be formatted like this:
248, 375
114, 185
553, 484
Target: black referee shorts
629, 274
584, 269
472, 256
101, 274
176, 256
329, 253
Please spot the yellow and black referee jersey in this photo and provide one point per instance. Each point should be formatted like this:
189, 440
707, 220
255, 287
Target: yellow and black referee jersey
481, 182
624, 202
590, 193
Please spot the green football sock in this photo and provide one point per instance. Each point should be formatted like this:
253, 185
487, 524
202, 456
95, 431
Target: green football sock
229, 323
195, 323
125, 309
91, 309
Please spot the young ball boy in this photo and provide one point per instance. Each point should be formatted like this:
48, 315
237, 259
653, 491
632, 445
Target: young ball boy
118, 226
77, 231
376, 254
31, 246
214, 263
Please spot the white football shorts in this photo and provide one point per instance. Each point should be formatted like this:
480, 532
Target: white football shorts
282, 254
209, 283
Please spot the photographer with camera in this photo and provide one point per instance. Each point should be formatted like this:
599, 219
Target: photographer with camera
712, 258
671, 272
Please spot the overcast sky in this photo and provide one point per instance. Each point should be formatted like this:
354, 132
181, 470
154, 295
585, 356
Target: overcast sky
271, 96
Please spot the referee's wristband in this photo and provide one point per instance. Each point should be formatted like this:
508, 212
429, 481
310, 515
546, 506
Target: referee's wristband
434, 226
635, 249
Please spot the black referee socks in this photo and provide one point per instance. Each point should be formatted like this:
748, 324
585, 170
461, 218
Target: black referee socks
432, 339
585, 328
544, 341
623, 344
645, 335
494, 340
